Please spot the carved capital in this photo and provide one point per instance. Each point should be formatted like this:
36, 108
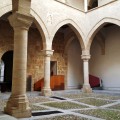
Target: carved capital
47, 52
85, 57
18, 20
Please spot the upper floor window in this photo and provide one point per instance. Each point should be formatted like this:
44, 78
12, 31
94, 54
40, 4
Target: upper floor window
92, 4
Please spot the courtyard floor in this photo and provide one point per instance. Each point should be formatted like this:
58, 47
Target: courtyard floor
70, 105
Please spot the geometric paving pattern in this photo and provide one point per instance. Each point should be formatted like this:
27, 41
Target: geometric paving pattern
73, 105
64, 117
65, 105
94, 101
102, 113
117, 107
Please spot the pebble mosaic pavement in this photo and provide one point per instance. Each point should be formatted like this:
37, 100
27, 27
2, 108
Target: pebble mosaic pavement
99, 105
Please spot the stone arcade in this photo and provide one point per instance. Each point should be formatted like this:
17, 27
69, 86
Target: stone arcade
79, 37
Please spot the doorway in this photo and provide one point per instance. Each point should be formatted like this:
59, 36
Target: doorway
7, 59
53, 68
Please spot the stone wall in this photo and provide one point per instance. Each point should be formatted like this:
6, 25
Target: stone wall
103, 2
36, 60
35, 66
58, 47
107, 66
6, 37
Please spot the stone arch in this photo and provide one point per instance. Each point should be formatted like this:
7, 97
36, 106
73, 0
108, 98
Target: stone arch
5, 9
38, 21
41, 27
97, 27
74, 27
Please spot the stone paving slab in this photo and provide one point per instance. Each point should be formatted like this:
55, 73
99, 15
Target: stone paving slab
102, 113
6, 117
116, 107
94, 101
64, 117
65, 105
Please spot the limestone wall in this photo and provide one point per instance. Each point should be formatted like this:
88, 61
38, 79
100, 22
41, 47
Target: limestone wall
77, 4
103, 2
6, 37
75, 66
55, 15
107, 66
58, 55
35, 58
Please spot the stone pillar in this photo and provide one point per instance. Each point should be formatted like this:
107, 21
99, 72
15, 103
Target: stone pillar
86, 86
86, 5
46, 91
18, 105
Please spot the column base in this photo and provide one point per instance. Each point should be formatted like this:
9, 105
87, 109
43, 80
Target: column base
86, 89
46, 92
18, 106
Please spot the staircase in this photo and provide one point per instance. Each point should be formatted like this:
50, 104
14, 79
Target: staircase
95, 82
56, 83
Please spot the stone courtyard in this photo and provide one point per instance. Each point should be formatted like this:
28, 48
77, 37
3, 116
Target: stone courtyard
70, 105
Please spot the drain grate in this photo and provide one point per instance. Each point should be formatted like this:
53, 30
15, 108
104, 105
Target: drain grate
45, 113
57, 98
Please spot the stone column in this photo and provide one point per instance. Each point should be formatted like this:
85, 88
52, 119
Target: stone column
86, 86
18, 105
46, 91
86, 5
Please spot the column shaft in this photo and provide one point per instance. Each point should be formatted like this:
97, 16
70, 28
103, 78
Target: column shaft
47, 72
86, 72
86, 86
46, 91
20, 62
18, 105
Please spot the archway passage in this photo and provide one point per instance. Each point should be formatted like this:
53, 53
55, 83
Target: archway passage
105, 57
7, 58
67, 53
53, 68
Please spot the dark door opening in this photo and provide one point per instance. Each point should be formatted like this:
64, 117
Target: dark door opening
7, 58
53, 68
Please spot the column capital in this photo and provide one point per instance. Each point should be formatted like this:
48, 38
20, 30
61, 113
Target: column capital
85, 57
18, 20
85, 54
47, 52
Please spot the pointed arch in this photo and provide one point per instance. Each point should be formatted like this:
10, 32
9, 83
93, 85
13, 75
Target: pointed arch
38, 21
41, 27
74, 27
97, 27
5, 9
